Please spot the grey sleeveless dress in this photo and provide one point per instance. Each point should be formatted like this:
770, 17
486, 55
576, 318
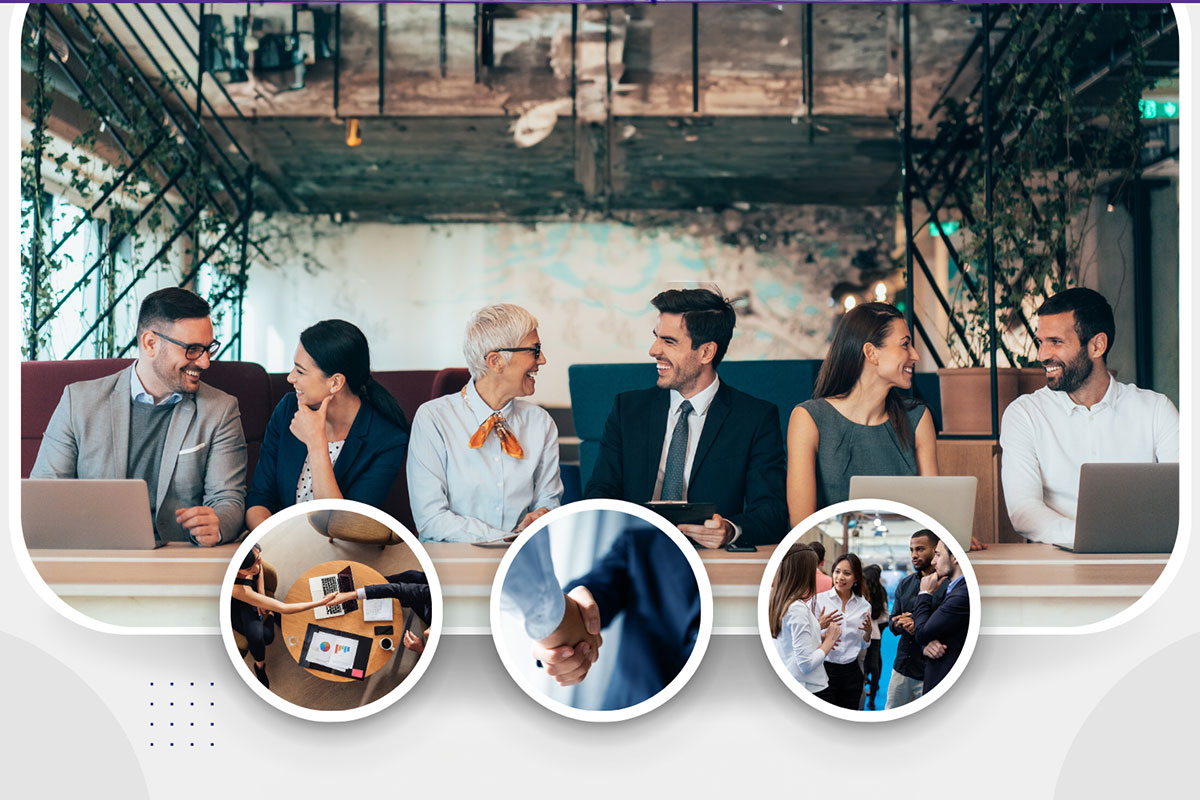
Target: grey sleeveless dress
846, 448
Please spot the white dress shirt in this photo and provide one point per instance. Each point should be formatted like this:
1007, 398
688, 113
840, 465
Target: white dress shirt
799, 646
700, 405
463, 495
1045, 437
701, 402
851, 641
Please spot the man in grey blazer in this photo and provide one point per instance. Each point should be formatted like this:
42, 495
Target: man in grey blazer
157, 421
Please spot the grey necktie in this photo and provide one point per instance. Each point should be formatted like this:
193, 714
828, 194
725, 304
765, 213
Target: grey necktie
672, 487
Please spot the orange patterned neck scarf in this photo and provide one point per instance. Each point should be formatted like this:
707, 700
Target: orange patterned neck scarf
508, 440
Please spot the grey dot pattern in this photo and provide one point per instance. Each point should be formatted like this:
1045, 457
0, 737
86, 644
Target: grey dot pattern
304, 488
672, 487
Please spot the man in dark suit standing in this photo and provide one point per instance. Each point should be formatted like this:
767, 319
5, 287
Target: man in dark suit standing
942, 631
693, 437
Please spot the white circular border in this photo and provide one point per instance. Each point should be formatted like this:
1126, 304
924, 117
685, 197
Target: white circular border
703, 585
764, 597
348, 714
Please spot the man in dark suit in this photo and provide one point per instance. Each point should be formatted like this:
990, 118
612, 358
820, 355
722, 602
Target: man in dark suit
693, 437
646, 576
942, 631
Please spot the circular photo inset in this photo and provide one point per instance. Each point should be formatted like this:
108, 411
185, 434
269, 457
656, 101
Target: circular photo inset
601, 611
869, 610
331, 610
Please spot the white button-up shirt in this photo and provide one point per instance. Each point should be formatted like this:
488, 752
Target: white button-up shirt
851, 640
700, 405
799, 646
463, 495
1045, 437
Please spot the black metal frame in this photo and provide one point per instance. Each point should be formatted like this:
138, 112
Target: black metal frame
944, 162
229, 202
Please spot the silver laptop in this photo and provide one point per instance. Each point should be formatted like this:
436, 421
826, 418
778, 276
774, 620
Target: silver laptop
1127, 508
86, 515
948, 499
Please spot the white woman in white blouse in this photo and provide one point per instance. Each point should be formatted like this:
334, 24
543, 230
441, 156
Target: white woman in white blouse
483, 463
845, 604
799, 641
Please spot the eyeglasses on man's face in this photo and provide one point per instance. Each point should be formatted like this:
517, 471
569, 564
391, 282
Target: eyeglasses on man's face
535, 349
193, 351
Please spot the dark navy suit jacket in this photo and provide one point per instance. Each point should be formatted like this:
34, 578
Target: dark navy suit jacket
367, 466
645, 576
947, 624
739, 464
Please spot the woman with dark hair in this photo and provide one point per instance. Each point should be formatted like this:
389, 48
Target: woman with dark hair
845, 604
796, 630
872, 659
858, 422
339, 435
253, 612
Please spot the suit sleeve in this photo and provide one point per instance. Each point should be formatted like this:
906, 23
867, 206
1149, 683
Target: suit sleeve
225, 473
609, 581
942, 623
264, 490
765, 519
59, 452
374, 482
607, 480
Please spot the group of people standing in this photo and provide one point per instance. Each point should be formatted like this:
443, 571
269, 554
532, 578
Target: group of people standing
830, 642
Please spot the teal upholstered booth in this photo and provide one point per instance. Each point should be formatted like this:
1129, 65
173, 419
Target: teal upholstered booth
595, 386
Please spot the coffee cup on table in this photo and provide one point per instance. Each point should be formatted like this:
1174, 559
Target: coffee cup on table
386, 643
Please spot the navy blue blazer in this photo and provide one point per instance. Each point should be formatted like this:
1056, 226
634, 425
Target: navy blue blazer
740, 464
366, 468
947, 624
645, 575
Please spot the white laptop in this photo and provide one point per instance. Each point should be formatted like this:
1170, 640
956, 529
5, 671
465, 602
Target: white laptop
948, 499
71, 513
322, 585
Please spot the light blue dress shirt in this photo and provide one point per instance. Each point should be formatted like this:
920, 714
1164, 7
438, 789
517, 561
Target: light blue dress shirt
138, 393
460, 494
531, 589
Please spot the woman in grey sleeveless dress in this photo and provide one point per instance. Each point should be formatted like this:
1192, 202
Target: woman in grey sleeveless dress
858, 422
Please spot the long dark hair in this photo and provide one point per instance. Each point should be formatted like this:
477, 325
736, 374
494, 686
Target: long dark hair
875, 591
855, 569
841, 369
251, 557
796, 580
337, 346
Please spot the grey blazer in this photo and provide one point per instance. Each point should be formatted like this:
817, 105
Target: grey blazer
203, 459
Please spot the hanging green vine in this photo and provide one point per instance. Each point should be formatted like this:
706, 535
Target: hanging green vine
1050, 160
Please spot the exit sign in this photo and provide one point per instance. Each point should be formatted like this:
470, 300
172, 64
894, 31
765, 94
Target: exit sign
1159, 109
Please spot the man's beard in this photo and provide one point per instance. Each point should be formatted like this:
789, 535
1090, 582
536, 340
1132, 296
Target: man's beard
1074, 373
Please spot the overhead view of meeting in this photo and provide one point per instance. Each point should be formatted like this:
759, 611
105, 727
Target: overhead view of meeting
600, 611
868, 611
259, 269
324, 616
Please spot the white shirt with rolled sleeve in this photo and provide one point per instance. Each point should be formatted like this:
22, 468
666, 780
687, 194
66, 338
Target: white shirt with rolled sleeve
1045, 437
463, 495
851, 640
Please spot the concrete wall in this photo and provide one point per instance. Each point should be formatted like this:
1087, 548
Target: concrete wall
411, 287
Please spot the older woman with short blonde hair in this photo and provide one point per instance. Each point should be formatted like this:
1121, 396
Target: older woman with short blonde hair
483, 463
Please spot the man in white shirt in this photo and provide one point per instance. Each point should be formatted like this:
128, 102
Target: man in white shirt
1082, 415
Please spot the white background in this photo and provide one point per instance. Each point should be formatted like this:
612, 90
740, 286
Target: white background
1105, 714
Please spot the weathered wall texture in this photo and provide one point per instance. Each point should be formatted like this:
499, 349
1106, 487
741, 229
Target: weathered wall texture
411, 287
